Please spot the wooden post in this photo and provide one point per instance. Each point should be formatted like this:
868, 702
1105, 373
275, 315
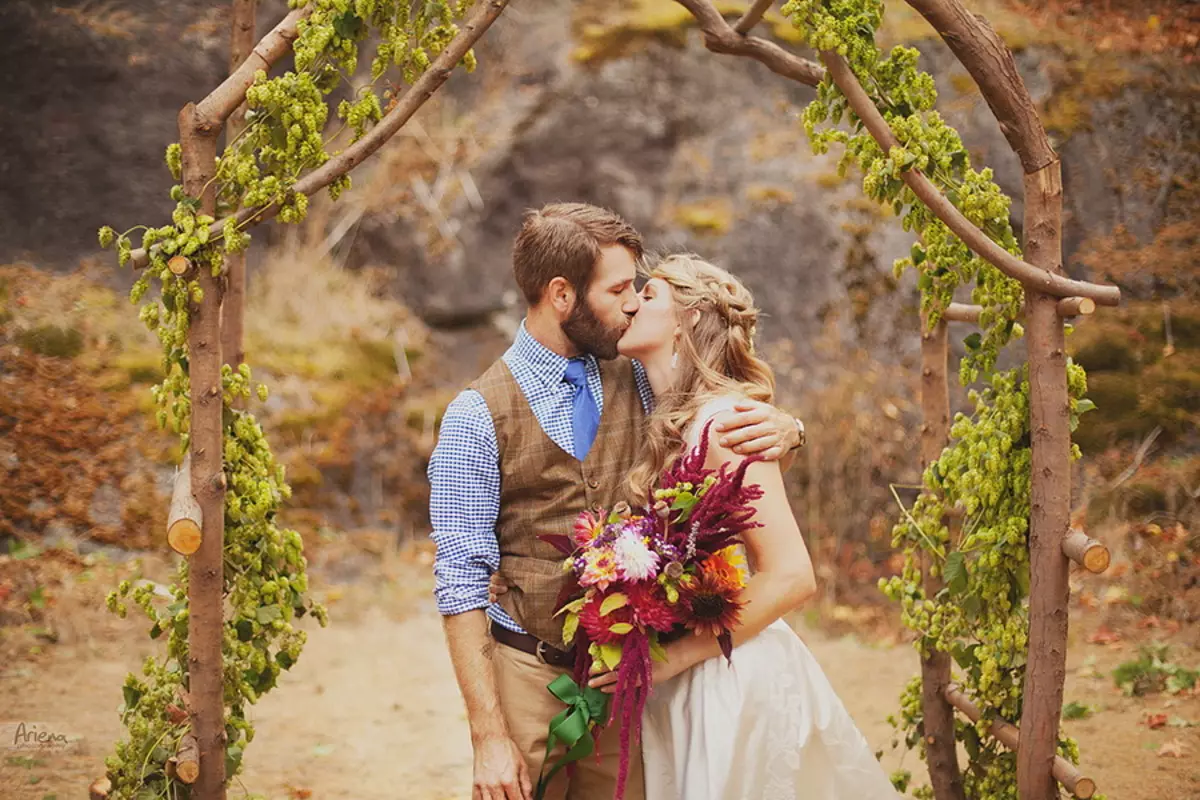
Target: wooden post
940, 743
1086, 551
233, 308
1009, 735
1050, 493
198, 141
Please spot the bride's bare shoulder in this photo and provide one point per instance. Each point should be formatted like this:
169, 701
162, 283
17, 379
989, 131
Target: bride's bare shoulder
714, 410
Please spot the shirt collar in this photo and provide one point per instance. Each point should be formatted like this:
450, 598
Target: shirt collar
548, 365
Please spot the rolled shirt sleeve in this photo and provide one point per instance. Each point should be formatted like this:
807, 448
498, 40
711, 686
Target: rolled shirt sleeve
464, 502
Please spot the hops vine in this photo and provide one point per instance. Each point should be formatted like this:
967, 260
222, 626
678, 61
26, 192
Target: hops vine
981, 615
265, 583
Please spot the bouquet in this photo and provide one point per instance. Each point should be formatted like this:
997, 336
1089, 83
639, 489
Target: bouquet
638, 578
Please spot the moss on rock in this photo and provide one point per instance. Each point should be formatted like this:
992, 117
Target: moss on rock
610, 29
713, 215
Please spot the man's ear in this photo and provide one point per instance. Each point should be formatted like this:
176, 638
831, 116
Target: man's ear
561, 295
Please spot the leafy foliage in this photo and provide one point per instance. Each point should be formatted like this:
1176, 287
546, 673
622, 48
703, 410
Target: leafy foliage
980, 614
1152, 672
265, 585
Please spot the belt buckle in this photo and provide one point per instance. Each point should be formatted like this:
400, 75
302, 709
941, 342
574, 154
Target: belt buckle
539, 654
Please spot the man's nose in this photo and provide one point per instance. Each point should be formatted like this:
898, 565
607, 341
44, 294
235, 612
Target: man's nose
632, 305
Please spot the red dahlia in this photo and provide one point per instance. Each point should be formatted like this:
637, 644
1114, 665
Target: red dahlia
598, 627
651, 608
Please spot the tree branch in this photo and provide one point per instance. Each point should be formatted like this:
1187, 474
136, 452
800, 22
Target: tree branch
1010, 736
439, 71
1033, 278
991, 64
224, 100
753, 16
1067, 307
233, 309
720, 38
941, 755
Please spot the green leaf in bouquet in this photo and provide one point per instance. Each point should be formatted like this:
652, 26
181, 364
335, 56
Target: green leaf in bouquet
570, 626
612, 603
610, 655
573, 607
684, 503
620, 628
657, 651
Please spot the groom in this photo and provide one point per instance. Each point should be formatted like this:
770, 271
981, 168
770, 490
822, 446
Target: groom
550, 429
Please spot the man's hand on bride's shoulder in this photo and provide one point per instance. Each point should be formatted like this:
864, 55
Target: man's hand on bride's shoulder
756, 428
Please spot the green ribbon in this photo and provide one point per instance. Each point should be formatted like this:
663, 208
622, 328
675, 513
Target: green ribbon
572, 726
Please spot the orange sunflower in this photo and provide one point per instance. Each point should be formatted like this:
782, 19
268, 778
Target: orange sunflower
711, 598
725, 567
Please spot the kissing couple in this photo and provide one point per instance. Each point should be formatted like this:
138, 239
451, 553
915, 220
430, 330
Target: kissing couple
606, 386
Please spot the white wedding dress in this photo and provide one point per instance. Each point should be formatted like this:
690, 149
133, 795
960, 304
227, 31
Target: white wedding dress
767, 726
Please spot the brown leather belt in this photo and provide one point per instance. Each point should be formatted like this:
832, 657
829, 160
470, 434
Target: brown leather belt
533, 646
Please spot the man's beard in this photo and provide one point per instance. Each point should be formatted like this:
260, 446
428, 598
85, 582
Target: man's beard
589, 334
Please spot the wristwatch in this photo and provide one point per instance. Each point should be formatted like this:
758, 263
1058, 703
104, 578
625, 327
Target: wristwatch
800, 430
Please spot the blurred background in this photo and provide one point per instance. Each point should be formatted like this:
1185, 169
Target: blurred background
366, 319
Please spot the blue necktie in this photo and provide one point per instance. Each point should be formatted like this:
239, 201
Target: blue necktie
585, 415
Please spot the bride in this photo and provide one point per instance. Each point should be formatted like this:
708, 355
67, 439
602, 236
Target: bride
768, 725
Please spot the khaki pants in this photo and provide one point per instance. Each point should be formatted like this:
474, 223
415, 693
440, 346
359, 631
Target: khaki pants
528, 707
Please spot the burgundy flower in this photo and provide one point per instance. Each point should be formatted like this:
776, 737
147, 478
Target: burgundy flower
650, 607
598, 628
711, 603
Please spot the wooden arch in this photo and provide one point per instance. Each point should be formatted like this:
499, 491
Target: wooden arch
214, 338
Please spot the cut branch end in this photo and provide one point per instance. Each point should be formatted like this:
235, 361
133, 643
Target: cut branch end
186, 761
99, 789
179, 265
1086, 551
185, 521
1076, 306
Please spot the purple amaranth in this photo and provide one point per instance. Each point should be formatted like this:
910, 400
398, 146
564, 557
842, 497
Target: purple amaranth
633, 687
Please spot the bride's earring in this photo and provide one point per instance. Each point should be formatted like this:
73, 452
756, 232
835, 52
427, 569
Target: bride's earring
674, 359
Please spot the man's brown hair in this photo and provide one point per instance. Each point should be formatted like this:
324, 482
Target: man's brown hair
564, 239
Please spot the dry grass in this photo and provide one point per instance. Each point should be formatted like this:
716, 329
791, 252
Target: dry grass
305, 311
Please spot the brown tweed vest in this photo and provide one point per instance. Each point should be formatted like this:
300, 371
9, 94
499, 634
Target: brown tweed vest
543, 488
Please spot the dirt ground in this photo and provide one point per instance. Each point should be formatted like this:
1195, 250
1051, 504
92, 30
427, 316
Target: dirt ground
372, 710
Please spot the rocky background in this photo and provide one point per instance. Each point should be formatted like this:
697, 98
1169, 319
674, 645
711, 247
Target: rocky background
367, 318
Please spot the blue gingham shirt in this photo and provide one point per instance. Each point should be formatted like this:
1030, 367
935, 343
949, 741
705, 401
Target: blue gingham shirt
464, 471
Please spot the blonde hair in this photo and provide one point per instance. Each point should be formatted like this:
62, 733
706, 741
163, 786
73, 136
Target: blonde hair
717, 320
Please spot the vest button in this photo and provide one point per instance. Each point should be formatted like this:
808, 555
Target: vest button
595, 484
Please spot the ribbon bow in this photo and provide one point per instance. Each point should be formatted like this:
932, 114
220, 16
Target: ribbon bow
572, 726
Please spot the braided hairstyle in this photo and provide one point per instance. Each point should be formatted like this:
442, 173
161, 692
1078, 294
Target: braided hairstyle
717, 320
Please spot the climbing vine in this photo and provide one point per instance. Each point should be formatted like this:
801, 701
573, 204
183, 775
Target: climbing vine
980, 616
265, 584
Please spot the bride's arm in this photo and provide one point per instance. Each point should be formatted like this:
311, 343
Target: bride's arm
783, 578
